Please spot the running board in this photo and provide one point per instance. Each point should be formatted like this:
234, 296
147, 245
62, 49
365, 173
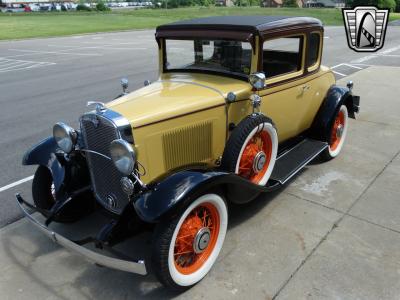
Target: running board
293, 160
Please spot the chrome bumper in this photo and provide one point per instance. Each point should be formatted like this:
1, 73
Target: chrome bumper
137, 267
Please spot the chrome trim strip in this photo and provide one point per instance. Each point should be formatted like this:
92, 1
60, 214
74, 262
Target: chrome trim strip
95, 152
194, 83
120, 122
137, 267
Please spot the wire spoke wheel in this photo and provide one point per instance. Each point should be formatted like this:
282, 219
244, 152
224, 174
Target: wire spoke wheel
251, 149
337, 130
196, 238
186, 247
337, 135
256, 157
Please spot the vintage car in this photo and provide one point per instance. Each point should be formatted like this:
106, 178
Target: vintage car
240, 106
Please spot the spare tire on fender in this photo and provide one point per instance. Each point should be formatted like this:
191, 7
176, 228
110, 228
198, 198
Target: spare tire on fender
251, 149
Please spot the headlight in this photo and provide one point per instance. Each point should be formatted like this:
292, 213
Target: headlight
65, 136
123, 156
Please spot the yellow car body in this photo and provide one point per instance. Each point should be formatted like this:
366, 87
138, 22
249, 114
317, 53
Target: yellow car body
181, 118
240, 106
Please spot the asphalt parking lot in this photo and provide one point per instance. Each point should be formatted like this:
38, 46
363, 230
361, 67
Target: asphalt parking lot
44, 81
332, 233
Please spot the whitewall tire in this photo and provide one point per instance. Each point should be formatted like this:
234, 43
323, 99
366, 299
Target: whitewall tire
186, 247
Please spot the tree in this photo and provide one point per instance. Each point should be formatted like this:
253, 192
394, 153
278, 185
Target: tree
391, 4
289, 3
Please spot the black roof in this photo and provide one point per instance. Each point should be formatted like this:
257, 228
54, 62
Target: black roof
243, 23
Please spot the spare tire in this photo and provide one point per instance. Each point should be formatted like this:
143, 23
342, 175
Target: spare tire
251, 149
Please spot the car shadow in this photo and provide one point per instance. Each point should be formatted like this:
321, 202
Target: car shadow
100, 282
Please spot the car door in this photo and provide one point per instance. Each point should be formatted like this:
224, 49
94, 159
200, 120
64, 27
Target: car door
287, 97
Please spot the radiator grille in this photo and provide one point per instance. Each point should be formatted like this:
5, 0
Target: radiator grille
98, 133
188, 145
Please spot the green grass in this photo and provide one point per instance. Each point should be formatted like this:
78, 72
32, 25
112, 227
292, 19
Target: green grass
28, 25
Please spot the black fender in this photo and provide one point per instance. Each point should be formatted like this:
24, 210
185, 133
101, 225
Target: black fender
173, 193
44, 153
70, 173
335, 97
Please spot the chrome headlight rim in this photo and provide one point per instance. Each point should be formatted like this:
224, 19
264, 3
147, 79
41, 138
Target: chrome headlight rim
123, 156
65, 136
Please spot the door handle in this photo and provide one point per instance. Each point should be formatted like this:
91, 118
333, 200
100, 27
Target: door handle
306, 87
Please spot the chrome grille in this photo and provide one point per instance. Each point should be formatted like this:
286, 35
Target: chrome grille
98, 133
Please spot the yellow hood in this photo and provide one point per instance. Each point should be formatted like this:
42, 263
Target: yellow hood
176, 95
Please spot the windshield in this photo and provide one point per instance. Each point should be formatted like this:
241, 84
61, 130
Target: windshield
222, 56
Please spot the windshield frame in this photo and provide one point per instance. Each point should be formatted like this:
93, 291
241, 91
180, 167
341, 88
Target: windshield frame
235, 75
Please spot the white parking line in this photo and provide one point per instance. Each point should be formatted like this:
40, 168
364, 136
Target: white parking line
333, 67
11, 185
8, 65
351, 66
345, 65
382, 53
389, 55
112, 44
101, 46
341, 74
62, 52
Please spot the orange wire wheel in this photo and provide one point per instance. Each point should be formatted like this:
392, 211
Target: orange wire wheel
186, 247
337, 130
196, 238
251, 149
256, 157
338, 133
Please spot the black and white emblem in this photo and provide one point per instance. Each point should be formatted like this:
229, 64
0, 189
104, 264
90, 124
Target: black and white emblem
365, 27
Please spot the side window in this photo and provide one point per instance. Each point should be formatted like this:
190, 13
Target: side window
313, 48
282, 56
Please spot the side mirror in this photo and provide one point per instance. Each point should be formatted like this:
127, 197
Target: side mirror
257, 80
124, 84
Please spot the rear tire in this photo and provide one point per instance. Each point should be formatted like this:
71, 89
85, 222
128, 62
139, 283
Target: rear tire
186, 247
338, 134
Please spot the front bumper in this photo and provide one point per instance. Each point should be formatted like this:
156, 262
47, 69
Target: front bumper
137, 267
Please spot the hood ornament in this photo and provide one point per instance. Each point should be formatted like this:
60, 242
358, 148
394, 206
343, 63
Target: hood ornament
100, 108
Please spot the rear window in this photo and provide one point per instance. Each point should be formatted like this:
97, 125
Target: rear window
313, 48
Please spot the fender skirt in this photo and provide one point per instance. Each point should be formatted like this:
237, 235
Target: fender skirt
335, 97
173, 193
44, 153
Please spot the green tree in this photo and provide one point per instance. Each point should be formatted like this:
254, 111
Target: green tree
387, 4
391, 4
289, 3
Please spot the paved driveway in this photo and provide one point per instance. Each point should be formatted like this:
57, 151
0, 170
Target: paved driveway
332, 233
43, 81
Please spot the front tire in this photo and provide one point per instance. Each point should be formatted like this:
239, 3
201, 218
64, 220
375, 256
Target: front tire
251, 149
186, 247
43, 191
